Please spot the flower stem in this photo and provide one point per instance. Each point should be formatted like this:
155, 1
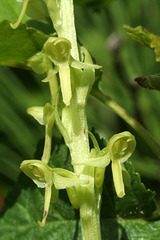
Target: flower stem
90, 199
68, 26
89, 222
62, 16
147, 137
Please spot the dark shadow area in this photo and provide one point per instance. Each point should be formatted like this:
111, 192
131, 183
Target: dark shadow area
112, 230
46, 28
77, 230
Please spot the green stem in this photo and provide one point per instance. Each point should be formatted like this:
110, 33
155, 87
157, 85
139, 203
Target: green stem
147, 137
89, 222
62, 15
68, 26
79, 147
89, 209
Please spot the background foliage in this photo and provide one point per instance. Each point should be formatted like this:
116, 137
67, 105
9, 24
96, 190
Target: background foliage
100, 30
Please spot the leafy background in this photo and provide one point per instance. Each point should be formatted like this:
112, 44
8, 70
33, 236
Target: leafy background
99, 28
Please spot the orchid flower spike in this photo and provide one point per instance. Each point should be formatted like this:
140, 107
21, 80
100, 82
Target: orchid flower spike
120, 146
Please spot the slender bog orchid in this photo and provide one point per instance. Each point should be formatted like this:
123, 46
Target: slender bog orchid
70, 72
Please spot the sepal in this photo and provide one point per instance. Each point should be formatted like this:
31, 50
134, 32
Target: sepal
44, 115
37, 113
40, 173
64, 179
58, 50
83, 65
40, 63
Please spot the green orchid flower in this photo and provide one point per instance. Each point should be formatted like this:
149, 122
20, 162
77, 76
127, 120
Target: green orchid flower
42, 175
120, 146
58, 51
52, 179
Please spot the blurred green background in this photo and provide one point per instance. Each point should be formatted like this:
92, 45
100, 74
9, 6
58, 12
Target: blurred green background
102, 33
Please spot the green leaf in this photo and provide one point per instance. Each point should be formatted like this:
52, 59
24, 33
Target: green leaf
21, 220
17, 46
150, 82
121, 219
130, 230
145, 38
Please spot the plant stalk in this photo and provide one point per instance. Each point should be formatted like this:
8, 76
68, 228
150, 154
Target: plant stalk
90, 201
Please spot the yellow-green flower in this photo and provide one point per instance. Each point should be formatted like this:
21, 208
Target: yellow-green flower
52, 179
120, 146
